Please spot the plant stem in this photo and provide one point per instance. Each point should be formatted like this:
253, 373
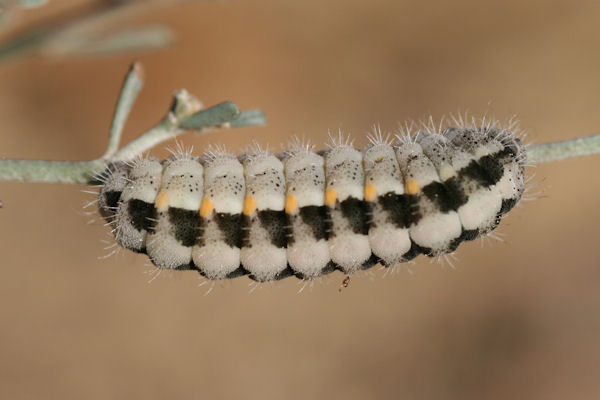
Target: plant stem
185, 113
49, 171
556, 151
129, 91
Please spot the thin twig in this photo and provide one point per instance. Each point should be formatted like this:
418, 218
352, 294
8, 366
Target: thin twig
91, 32
556, 151
185, 113
50, 171
131, 88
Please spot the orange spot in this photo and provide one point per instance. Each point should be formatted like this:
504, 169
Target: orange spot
411, 187
370, 192
330, 197
291, 204
249, 205
162, 201
206, 207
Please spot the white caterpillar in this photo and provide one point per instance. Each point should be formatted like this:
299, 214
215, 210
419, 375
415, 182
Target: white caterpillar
306, 213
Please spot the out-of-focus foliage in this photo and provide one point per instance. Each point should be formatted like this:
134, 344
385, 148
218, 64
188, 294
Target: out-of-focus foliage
103, 30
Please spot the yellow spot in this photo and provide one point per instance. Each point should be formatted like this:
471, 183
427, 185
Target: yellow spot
249, 205
162, 201
411, 187
370, 192
379, 159
330, 197
291, 204
206, 207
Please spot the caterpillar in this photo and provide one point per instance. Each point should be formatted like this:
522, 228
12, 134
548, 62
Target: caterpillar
305, 213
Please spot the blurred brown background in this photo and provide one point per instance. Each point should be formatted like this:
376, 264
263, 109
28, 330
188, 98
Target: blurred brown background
518, 319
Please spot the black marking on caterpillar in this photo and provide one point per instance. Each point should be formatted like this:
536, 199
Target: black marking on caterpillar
186, 224
229, 225
304, 213
317, 218
356, 212
141, 213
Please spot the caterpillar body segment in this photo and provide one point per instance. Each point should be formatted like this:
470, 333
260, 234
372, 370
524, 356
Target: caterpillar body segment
216, 252
349, 213
389, 237
264, 243
308, 218
468, 190
169, 244
135, 211
434, 224
306, 213
511, 157
496, 174
114, 179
